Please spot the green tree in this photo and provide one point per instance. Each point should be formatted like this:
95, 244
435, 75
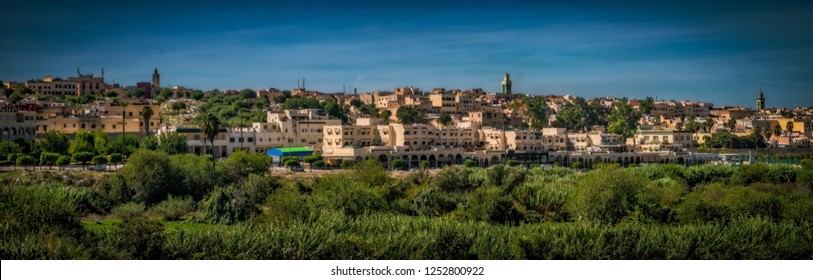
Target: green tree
100, 159
623, 119
146, 114
398, 164
62, 161
126, 144
84, 142
410, 115
646, 105
210, 125
789, 127
172, 143
8, 148
425, 164
151, 176
335, 111
54, 141
248, 93
25, 160
148, 142
83, 157
49, 158
537, 111
469, 163
100, 141
116, 158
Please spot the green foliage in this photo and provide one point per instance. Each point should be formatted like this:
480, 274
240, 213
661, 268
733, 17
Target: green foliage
100, 159
151, 176
125, 144
623, 119
52, 141
347, 194
139, 238
128, 210
173, 208
63, 160
114, 189
172, 143
512, 162
195, 176
83, 142
732, 141
410, 115
398, 164
116, 158
149, 143
240, 164
537, 111
348, 163
25, 160
237, 203
370, 173
8, 148
49, 158
298, 102
469, 163
425, 164
83, 157
577, 165
607, 196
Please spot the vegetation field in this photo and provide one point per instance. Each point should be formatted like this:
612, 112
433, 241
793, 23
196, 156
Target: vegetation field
161, 206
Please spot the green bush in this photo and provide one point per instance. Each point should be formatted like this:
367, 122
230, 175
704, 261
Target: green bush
151, 176
174, 208
348, 163
425, 164
139, 238
129, 210
607, 196
469, 163
100, 159
370, 173
398, 164
577, 165
63, 160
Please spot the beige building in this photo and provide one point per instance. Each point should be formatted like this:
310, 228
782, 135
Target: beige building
99, 116
656, 140
16, 124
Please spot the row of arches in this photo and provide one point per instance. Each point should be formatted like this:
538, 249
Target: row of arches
18, 132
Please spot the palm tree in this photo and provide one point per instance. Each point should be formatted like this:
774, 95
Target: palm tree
757, 133
123, 124
210, 125
732, 124
768, 133
709, 125
777, 130
789, 127
146, 113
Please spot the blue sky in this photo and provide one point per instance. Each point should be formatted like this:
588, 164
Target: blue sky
722, 53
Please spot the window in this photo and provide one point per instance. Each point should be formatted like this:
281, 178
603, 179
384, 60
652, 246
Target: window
231, 140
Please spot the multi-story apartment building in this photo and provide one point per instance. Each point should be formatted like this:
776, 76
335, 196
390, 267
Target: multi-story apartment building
648, 139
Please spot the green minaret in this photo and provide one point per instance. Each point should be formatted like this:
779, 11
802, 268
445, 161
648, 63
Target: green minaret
760, 101
506, 84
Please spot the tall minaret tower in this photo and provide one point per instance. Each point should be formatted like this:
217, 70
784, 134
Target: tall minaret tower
506, 84
156, 81
760, 101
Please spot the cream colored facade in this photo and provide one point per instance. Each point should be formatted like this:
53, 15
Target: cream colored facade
101, 116
49, 85
655, 140
15, 124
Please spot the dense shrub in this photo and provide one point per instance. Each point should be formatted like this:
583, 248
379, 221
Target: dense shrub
607, 196
129, 210
151, 176
174, 208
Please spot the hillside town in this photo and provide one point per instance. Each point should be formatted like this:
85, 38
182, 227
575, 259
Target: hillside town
411, 125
